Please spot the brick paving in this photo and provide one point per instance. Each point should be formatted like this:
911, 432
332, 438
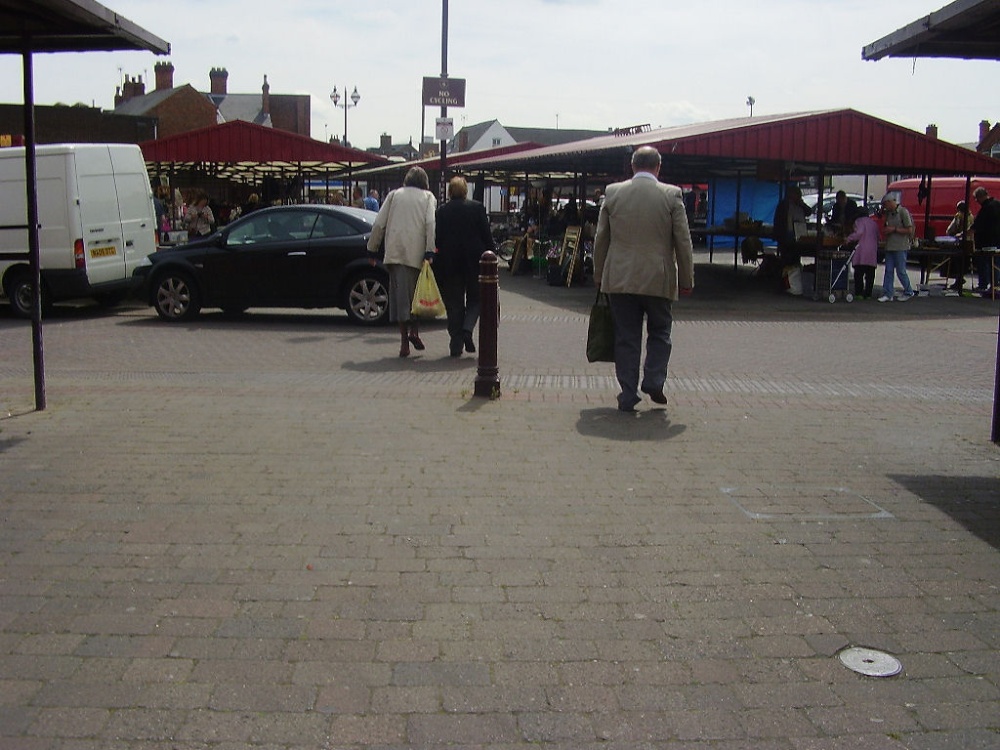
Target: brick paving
271, 532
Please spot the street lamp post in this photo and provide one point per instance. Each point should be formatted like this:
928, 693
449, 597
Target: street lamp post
335, 98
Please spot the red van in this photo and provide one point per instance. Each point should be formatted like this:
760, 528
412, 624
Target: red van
945, 192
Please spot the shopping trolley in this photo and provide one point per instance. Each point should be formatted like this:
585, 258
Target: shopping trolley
833, 273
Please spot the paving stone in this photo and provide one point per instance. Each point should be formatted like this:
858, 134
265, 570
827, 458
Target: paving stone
273, 533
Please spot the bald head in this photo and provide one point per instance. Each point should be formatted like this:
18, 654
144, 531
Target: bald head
646, 159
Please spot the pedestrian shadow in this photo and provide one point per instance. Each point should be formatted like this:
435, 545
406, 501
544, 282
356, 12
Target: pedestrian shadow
8, 443
417, 363
973, 502
611, 424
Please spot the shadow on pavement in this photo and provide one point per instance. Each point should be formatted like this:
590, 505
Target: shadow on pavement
417, 363
611, 424
973, 502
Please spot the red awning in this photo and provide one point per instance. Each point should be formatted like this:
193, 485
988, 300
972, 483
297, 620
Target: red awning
834, 142
238, 147
453, 160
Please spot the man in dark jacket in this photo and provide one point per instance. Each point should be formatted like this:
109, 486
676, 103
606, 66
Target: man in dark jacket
986, 229
462, 236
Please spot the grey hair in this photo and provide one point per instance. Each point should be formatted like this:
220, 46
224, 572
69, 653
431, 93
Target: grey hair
417, 177
646, 159
980, 192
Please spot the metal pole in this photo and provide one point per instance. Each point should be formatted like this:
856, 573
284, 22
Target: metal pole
487, 383
995, 435
34, 256
444, 109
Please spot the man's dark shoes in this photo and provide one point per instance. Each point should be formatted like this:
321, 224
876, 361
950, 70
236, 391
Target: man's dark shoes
455, 347
657, 397
470, 346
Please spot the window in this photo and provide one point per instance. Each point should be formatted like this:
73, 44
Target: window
331, 226
496, 141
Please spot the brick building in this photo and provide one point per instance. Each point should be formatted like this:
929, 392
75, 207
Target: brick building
180, 109
77, 124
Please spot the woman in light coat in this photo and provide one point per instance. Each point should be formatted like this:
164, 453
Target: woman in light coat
406, 223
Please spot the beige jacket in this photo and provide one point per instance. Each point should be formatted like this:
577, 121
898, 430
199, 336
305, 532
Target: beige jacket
406, 222
643, 243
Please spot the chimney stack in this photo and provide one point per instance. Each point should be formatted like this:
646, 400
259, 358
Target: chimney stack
130, 88
984, 130
932, 131
265, 97
218, 78
164, 75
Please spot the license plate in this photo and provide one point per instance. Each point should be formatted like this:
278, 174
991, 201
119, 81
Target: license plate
103, 252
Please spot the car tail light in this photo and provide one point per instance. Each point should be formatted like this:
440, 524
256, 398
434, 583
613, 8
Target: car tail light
79, 257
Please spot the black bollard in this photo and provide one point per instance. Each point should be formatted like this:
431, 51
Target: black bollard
488, 374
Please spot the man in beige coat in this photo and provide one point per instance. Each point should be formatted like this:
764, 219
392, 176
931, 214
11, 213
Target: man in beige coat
642, 260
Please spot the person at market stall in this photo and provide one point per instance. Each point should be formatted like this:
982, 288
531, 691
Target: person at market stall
960, 227
199, 219
986, 229
358, 197
462, 236
790, 224
252, 204
843, 209
642, 260
371, 200
897, 227
865, 259
162, 215
409, 240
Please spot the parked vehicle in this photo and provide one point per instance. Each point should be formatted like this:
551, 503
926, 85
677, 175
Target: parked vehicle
829, 199
95, 210
942, 196
307, 256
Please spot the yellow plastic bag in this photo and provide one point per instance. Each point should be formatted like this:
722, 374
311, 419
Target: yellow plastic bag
426, 297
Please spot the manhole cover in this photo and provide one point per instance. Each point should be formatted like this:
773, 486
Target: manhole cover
870, 662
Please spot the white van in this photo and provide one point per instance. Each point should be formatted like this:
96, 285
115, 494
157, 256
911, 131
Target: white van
95, 210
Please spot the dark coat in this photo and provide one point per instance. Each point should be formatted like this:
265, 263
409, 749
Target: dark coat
462, 235
987, 224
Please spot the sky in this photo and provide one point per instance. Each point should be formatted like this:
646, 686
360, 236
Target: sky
574, 64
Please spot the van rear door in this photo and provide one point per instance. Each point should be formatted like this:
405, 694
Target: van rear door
103, 243
135, 205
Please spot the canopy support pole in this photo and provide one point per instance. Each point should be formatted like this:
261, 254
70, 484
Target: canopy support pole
34, 255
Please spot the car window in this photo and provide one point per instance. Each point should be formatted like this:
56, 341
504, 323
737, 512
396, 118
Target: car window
331, 226
251, 232
272, 227
300, 224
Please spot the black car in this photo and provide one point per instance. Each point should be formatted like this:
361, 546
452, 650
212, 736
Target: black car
288, 256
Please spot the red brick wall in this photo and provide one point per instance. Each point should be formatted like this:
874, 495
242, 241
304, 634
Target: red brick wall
186, 110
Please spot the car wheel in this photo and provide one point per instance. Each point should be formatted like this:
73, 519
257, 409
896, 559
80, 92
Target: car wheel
20, 292
368, 298
176, 296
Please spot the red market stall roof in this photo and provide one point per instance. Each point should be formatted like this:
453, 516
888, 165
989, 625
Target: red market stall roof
433, 163
237, 149
968, 29
768, 147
